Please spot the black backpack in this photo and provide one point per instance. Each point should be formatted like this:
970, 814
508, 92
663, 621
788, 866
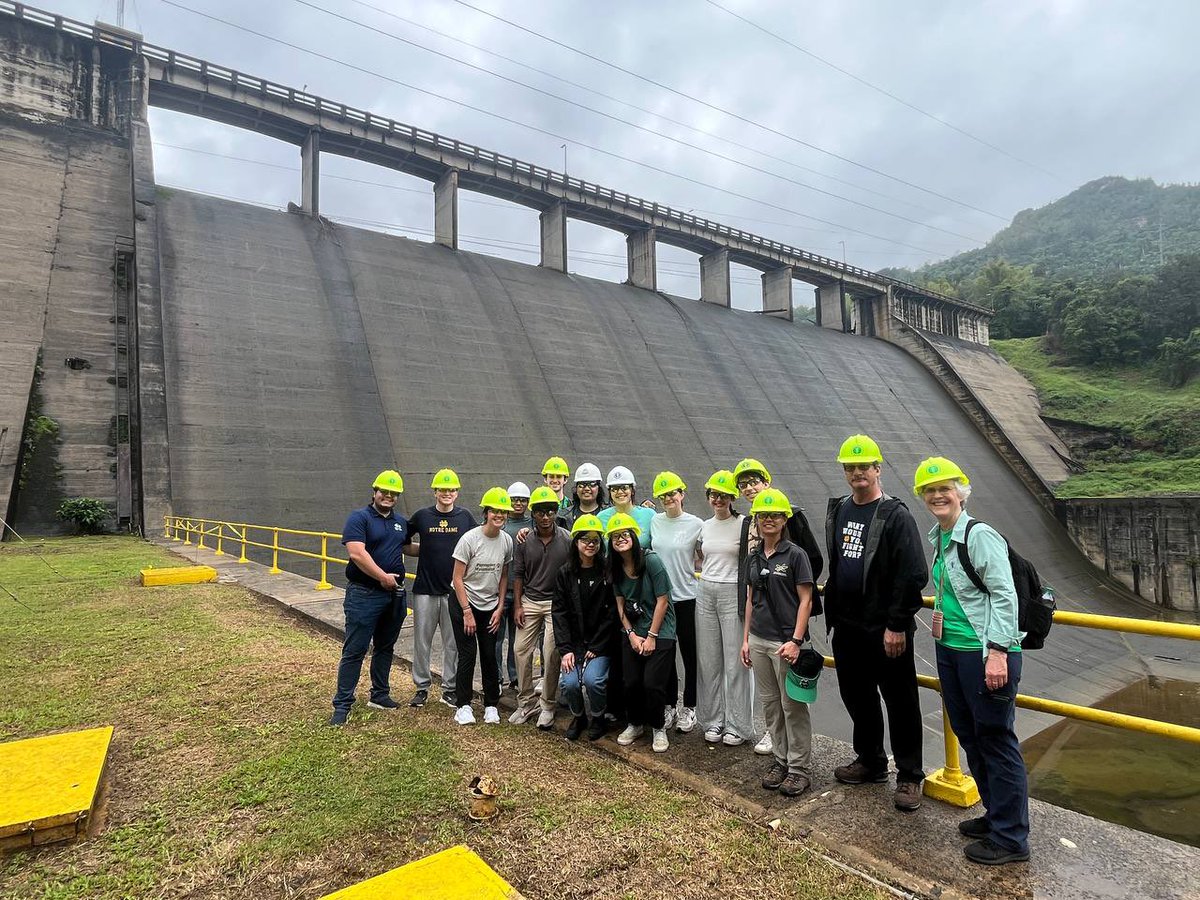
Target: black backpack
1035, 601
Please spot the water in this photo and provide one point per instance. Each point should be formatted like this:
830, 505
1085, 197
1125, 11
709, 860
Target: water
1138, 780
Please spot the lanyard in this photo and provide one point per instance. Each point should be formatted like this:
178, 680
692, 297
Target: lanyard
941, 585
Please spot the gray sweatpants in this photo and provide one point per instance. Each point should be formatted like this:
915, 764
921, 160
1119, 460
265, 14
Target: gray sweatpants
429, 612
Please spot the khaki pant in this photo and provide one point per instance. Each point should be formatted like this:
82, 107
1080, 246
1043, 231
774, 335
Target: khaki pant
787, 719
538, 624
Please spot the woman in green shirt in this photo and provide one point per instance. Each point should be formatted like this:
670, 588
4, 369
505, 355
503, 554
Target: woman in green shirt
643, 594
979, 662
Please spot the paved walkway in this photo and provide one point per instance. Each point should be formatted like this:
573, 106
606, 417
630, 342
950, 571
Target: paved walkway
1073, 856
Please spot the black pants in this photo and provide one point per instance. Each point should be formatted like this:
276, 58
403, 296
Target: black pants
482, 642
616, 676
647, 679
685, 631
864, 672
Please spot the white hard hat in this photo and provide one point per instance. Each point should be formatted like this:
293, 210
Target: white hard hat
518, 489
587, 472
620, 475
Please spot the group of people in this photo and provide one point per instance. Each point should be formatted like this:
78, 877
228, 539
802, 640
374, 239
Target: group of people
624, 600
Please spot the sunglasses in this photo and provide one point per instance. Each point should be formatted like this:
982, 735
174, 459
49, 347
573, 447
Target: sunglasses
545, 513
622, 536
858, 467
589, 542
623, 488
384, 493
594, 485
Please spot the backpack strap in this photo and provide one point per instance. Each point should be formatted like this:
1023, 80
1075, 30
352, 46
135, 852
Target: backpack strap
964, 559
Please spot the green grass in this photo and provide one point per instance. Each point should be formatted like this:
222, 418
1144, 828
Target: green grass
223, 780
1161, 424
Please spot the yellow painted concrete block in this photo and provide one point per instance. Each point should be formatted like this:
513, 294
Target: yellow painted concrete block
50, 785
178, 575
454, 874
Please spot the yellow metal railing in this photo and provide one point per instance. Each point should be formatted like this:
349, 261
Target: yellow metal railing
949, 783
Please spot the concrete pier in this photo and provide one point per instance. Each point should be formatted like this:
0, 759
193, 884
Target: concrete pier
777, 293
310, 174
831, 306
554, 238
714, 278
643, 265
445, 210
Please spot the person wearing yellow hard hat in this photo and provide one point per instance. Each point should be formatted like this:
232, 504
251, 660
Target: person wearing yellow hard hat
481, 561
587, 495
872, 595
642, 590
978, 644
752, 477
585, 628
779, 603
433, 533
536, 562
725, 688
374, 604
675, 537
555, 473
622, 491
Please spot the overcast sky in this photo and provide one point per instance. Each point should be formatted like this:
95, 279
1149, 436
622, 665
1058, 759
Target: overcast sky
1073, 89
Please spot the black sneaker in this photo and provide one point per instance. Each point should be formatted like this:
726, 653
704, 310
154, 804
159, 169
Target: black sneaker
974, 828
339, 717
575, 729
988, 853
598, 728
859, 773
383, 703
448, 700
419, 699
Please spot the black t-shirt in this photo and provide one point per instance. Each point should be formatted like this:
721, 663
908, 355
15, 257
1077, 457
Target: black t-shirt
438, 534
773, 580
850, 540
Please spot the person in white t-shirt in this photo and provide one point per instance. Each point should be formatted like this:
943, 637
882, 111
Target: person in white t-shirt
481, 561
725, 695
675, 536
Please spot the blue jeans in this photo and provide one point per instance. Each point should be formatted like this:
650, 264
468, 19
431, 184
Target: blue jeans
983, 721
508, 627
592, 677
371, 615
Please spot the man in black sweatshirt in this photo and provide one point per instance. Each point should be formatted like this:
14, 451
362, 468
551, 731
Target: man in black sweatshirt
876, 573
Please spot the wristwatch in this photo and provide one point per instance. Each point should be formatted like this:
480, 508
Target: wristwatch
992, 645
799, 642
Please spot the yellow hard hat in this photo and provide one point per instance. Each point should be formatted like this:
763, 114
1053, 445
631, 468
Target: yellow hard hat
446, 479
772, 500
556, 465
665, 482
586, 523
722, 482
622, 522
543, 495
751, 465
389, 480
496, 498
858, 448
935, 469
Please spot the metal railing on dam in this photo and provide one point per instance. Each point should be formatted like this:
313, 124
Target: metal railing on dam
849, 297
948, 783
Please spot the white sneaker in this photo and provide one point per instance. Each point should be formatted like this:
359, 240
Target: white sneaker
729, 739
669, 717
686, 720
660, 743
464, 716
630, 734
764, 747
546, 719
537, 688
521, 715
713, 735
491, 716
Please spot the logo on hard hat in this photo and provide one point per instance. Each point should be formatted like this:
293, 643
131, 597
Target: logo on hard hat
932, 470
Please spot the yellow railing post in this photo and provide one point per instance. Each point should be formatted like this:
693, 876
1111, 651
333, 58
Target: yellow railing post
220, 539
275, 570
948, 783
245, 528
323, 584
167, 527
200, 543
187, 532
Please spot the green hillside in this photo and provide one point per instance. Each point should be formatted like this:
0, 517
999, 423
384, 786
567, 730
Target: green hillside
1109, 225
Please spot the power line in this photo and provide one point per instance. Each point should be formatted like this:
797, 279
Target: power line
882, 90
540, 130
723, 111
599, 112
508, 207
642, 109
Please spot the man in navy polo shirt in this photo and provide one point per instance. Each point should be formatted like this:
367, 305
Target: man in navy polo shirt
375, 599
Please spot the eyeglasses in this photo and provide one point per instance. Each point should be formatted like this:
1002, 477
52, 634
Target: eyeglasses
593, 485
623, 488
858, 467
622, 536
384, 493
773, 516
588, 542
749, 481
674, 493
544, 513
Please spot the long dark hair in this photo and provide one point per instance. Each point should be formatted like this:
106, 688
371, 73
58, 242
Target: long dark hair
576, 564
616, 566
601, 497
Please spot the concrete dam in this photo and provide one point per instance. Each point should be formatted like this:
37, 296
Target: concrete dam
217, 359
